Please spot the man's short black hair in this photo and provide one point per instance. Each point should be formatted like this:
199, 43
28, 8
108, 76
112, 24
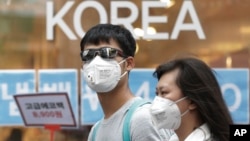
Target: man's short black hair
105, 33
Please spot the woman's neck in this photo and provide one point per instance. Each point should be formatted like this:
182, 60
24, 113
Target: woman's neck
189, 123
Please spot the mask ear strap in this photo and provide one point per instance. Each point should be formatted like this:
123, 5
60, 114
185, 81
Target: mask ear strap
185, 112
180, 99
125, 71
122, 61
123, 74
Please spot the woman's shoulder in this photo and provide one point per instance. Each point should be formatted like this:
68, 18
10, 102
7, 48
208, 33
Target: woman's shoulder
201, 133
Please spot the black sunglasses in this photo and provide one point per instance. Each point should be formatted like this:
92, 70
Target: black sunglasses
104, 52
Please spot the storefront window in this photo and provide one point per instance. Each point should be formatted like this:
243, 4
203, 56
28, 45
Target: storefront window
46, 34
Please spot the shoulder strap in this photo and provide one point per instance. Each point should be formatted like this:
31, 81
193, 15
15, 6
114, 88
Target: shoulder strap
126, 123
95, 130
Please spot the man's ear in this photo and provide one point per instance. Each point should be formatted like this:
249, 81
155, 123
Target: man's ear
130, 63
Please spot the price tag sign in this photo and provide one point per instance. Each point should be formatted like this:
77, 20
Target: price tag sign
41, 109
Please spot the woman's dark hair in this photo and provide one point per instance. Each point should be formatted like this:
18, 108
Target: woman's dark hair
197, 81
105, 33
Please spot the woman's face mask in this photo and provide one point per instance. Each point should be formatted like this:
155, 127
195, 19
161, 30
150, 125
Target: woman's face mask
165, 113
102, 75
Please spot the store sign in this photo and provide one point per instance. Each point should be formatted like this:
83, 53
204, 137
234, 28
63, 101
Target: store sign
234, 84
14, 82
187, 10
60, 80
235, 89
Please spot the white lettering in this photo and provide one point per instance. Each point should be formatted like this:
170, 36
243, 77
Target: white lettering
127, 22
146, 20
187, 7
237, 132
78, 13
65, 87
48, 88
13, 110
22, 88
243, 131
91, 96
237, 95
4, 92
57, 19
57, 87
240, 132
144, 90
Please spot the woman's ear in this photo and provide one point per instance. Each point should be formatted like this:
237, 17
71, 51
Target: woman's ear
192, 105
130, 63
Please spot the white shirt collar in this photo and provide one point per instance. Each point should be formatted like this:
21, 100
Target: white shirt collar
201, 133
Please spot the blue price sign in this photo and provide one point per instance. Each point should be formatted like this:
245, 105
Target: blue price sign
234, 84
60, 80
14, 82
142, 83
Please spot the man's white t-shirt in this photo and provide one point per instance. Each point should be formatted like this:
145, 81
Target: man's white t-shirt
141, 127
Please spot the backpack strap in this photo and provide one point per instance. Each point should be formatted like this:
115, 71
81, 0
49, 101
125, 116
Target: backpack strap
128, 116
95, 130
126, 123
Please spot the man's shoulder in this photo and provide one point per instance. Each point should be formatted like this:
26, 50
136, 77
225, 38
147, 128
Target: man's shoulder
142, 112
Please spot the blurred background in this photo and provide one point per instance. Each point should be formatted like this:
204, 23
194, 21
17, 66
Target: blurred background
24, 44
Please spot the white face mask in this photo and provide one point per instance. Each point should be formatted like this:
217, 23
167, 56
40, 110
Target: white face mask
102, 75
165, 113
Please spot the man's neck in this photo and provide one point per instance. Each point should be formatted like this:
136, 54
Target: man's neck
113, 101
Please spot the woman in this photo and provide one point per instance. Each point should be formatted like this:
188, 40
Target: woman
189, 101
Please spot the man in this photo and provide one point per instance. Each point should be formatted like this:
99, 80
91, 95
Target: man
107, 52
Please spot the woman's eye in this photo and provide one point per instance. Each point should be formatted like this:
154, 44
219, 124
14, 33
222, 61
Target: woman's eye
164, 93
